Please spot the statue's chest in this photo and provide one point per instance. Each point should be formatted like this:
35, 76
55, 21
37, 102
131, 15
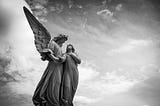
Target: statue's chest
57, 51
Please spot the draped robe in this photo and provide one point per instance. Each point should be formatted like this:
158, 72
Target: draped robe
69, 81
48, 89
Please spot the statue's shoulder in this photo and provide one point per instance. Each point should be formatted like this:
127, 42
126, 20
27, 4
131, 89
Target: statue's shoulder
52, 43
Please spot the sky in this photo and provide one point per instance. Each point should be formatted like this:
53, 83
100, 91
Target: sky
117, 40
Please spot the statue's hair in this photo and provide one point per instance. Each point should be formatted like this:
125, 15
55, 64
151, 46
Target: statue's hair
72, 48
60, 36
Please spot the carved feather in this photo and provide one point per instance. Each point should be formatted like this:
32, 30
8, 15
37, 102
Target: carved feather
41, 35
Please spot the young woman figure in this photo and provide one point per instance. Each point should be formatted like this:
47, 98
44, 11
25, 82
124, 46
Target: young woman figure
70, 76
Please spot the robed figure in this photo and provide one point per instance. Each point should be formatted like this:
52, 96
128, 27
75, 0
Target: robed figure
70, 76
47, 92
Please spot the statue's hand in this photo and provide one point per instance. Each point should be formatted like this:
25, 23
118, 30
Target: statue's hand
62, 58
49, 51
53, 57
70, 53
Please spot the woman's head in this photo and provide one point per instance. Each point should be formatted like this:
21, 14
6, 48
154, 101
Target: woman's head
70, 48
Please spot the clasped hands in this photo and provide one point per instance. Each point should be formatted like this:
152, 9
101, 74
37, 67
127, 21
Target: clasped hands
53, 57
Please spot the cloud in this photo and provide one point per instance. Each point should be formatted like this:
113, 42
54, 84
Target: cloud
148, 90
94, 85
130, 45
119, 7
106, 14
98, 41
83, 100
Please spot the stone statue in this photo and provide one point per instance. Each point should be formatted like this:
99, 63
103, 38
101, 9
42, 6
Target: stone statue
70, 76
59, 81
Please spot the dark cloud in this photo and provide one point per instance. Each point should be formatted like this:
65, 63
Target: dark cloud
4, 23
80, 10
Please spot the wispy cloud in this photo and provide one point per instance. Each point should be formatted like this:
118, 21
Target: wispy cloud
130, 45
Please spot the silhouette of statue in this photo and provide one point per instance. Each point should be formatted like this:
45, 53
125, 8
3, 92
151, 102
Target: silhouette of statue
47, 92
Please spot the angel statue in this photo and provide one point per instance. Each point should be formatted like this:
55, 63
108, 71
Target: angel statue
47, 92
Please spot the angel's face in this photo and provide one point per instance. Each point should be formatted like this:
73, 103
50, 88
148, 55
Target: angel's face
60, 42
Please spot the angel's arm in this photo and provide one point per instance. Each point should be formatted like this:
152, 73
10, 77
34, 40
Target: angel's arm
52, 57
62, 58
76, 57
51, 49
59, 59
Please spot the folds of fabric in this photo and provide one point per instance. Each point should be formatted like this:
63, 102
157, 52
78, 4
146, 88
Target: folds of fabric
48, 89
69, 81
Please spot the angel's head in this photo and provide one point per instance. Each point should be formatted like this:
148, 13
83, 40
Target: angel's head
60, 39
70, 48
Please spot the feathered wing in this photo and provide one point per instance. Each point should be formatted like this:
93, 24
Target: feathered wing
41, 35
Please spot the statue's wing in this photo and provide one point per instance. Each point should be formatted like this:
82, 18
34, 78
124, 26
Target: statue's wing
41, 35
